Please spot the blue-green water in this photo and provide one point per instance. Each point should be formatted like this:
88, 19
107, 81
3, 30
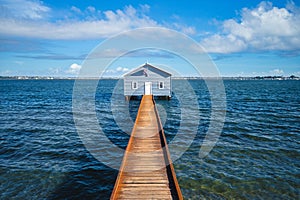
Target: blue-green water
256, 157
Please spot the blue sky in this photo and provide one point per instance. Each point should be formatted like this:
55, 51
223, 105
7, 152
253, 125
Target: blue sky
244, 38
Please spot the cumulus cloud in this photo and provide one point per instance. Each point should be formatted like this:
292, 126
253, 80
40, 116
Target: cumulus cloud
108, 23
23, 9
31, 18
74, 69
265, 27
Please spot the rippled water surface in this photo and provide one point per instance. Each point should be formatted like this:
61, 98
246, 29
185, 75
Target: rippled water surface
257, 155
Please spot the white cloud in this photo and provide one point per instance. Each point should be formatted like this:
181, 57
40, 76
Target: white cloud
55, 71
145, 8
24, 9
116, 72
33, 19
276, 72
122, 69
74, 69
297, 74
178, 24
75, 9
263, 28
189, 30
223, 44
110, 23
91, 9
6, 73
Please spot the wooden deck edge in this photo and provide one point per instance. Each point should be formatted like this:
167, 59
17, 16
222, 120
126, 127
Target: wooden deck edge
114, 194
175, 181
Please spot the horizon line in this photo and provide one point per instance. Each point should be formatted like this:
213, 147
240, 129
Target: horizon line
22, 77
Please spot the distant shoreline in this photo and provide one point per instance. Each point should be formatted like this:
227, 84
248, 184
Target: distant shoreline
174, 78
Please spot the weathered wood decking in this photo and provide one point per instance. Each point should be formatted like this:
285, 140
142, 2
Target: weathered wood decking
146, 172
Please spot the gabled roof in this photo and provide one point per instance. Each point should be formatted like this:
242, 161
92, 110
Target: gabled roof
148, 66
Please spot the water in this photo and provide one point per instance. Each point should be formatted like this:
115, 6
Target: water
256, 157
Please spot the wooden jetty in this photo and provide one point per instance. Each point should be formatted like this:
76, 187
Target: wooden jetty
147, 171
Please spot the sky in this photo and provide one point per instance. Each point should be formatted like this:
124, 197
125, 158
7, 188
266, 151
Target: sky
243, 38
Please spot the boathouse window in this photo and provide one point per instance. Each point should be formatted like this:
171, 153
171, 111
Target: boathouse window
161, 85
134, 85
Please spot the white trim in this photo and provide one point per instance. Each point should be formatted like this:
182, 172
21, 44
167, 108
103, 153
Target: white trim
161, 83
134, 85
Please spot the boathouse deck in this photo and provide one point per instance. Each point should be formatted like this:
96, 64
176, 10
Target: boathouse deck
147, 171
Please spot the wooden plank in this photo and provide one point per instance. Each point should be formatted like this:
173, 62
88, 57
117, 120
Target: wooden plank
141, 190
144, 171
146, 181
147, 196
152, 174
137, 178
147, 192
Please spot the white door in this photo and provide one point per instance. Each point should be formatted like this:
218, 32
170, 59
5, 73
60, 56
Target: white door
148, 88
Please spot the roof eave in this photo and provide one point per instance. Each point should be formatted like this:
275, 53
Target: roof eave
136, 69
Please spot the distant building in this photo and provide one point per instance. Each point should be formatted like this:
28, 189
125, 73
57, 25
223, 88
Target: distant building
147, 80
